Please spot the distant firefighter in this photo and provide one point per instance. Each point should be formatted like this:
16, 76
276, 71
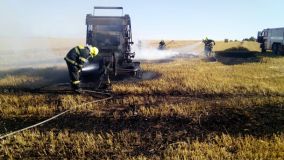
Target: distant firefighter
162, 45
75, 60
208, 46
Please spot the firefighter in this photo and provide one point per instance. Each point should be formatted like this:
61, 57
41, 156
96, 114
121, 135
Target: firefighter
162, 45
208, 46
75, 60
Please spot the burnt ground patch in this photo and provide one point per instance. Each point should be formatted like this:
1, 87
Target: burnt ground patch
235, 58
241, 55
237, 55
259, 121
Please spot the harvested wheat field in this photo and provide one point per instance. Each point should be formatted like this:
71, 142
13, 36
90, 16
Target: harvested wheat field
139, 80
190, 109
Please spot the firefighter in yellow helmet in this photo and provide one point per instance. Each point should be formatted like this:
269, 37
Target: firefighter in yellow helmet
75, 60
208, 46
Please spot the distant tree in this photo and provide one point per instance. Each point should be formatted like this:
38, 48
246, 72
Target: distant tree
226, 40
252, 39
236, 40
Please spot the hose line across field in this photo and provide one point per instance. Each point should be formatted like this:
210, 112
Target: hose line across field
108, 96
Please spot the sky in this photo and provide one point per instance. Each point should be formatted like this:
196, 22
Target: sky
151, 19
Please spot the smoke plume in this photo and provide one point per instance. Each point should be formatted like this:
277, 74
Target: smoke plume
22, 52
147, 52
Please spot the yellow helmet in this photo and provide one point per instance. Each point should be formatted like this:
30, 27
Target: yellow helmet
93, 51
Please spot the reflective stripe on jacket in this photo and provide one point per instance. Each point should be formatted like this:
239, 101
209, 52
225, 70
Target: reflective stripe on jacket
72, 62
78, 56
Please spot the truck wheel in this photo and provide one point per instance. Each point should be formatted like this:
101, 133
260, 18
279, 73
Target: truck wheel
281, 50
139, 74
275, 49
263, 50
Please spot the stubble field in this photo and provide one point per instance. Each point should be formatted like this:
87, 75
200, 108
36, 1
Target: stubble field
192, 109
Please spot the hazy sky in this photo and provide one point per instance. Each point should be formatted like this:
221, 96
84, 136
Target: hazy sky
151, 19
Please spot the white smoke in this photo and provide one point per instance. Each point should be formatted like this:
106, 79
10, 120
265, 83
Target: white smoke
150, 53
27, 52
22, 44
154, 54
23, 52
192, 49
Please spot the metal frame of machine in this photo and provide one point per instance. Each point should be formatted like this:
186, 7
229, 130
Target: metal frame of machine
112, 35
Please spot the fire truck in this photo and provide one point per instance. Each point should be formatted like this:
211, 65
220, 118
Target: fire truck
271, 39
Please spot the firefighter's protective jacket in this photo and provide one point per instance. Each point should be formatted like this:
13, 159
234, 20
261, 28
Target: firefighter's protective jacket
209, 42
78, 56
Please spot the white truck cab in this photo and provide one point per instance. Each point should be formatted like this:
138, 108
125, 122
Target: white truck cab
271, 39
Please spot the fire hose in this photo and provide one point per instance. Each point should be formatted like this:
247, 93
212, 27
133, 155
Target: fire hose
108, 96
